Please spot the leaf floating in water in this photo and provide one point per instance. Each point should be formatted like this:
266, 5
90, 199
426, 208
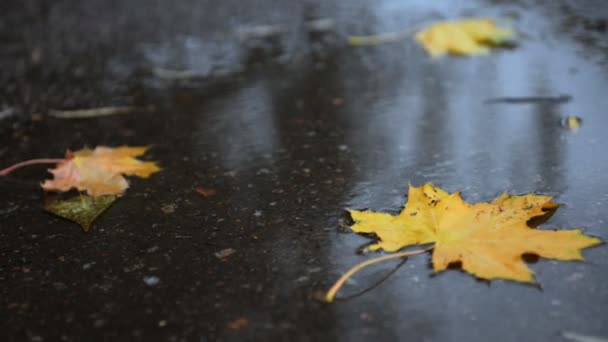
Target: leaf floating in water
82, 209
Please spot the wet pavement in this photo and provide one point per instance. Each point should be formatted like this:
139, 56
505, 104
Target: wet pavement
290, 126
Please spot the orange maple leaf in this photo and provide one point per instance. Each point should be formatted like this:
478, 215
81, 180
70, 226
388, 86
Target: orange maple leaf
99, 171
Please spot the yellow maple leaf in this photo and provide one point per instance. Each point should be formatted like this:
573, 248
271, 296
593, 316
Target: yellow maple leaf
463, 37
488, 240
100, 171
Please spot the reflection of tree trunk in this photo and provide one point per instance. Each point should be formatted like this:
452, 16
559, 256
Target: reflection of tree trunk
550, 150
311, 173
277, 133
315, 173
432, 142
537, 163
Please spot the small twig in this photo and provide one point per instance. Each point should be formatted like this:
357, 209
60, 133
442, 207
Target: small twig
177, 75
377, 283
529, 99
94, 112
29, 162
379, 38
331, 294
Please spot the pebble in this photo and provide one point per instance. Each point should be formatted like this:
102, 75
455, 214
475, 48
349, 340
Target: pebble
224, 253
302, 279
168, 208
151, 280
152, 249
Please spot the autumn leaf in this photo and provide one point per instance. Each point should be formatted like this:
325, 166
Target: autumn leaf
463, 37
486, 239
459, 37
99, 171
573, 123
81, 209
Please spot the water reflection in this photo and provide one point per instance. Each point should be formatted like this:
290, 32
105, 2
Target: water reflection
291, 159
413, 121
245, 130
425, 120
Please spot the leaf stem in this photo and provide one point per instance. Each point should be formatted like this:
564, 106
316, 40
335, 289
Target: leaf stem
331, 294
29, 162
386, 37
379, 38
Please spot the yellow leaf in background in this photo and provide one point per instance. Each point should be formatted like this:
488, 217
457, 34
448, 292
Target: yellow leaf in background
100, 171
463, 37
487, 239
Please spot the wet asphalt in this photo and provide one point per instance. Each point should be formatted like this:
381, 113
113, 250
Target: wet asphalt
290, 127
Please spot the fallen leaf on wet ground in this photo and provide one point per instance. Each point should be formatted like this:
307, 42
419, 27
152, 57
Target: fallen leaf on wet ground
486, 240
463, 37
100, 171
82, 209
474, 36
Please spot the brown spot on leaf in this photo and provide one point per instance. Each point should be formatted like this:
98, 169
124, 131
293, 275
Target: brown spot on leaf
530, 258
